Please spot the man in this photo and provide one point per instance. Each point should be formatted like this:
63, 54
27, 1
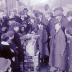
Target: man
58, 17
18, 49
26, 21
68, 33
59, 50
42, 42
58, 13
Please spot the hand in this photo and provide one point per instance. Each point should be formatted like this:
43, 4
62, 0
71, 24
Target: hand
12, 50
13, 59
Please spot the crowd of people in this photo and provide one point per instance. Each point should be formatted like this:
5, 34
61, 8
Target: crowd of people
47, 36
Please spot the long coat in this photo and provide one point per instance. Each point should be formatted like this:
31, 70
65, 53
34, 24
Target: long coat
52, 22
69, 41
52, 34
59, 50
42, 42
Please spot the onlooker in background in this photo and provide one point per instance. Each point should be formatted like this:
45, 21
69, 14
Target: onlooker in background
19, 50
68, 33
58, 13
42, 41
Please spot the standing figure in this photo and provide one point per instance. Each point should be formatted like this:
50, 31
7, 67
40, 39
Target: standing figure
18, 49
31, 48
6, 50
68, 33
59, 50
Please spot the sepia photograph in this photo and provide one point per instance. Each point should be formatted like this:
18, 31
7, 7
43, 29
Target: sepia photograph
35, 35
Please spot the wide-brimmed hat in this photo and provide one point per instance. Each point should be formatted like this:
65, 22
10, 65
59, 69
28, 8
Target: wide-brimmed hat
58, 8
60, 11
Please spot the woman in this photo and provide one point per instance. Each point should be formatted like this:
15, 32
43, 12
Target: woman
31, 48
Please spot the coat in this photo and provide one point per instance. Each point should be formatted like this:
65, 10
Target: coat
42, 42
59, 50
18, 47
57, 57
69, 45
51, 44
64, 23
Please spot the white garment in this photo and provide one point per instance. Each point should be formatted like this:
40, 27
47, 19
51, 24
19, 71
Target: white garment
4, 43
31, 45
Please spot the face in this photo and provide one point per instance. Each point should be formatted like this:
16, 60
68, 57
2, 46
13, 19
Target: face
33, 32
32, 21
57, 12
4, 28
25, 12
40, 17
16, 29
69, 18
48, 16
22, 17
40, 26
22, 29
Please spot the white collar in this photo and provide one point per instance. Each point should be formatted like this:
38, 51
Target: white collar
4, 43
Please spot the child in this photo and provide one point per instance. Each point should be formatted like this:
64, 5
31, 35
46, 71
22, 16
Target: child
31, 48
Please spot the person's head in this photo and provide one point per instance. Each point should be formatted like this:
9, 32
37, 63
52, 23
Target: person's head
25, 11
40, 17
22, 28
16, 28
22, 17
49, 15
69, 15
11, 14
40, 26
5, 39
4, 28
10, 34
33, 32
11, 22
32, 20
36, 13
58, 11
57, 27
46, 7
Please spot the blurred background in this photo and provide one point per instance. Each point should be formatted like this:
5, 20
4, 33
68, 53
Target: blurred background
8, 5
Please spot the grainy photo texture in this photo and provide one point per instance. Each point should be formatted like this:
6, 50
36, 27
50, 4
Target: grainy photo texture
35, 35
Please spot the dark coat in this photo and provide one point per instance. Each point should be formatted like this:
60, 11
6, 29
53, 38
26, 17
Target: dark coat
5, 51
18, 46
52, 35
42, 42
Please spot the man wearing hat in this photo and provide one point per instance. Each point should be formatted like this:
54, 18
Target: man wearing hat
58, 13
